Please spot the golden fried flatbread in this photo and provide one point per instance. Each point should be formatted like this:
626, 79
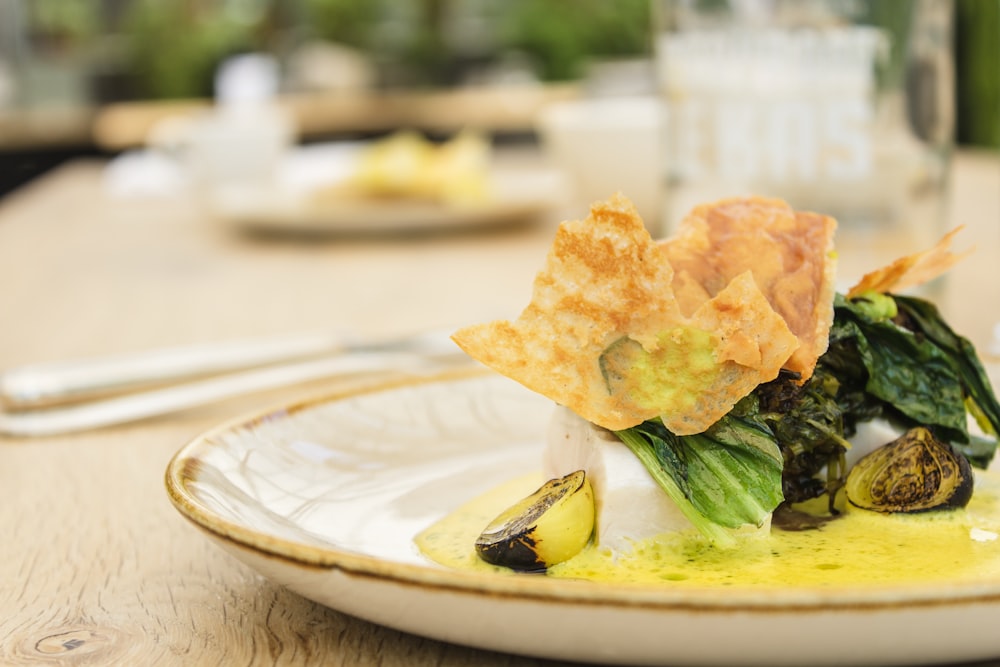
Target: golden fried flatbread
911, 270
605, 335
790, 254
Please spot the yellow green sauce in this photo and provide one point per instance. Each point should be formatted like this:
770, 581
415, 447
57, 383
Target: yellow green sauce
859, 548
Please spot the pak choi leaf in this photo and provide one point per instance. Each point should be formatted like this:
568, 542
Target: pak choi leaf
728, 476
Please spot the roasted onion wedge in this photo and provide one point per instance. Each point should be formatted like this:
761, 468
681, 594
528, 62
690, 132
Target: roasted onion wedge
914, 473
551, 525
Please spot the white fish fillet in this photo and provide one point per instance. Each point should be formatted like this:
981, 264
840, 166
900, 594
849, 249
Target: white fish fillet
629, 504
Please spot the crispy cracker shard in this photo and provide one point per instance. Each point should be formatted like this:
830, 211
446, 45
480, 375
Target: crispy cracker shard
616, 335
790, 254
911, 270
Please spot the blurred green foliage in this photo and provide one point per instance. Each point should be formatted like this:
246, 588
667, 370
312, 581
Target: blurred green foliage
558, 36
63, 19
977, 69
174, 46
348, 22
562, 35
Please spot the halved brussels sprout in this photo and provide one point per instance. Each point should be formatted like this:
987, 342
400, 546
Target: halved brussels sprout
914, 473
551, 525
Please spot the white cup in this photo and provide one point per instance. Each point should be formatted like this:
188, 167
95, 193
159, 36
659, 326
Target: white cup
607, 145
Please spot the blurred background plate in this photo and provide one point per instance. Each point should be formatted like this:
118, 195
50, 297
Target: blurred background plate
520, 196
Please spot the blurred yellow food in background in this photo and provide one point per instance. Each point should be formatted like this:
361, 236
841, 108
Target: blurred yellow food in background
408, 165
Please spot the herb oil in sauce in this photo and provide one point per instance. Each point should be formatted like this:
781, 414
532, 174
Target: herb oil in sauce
860, 548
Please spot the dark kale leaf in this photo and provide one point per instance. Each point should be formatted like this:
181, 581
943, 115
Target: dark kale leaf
908, 372
808, 424
926, 319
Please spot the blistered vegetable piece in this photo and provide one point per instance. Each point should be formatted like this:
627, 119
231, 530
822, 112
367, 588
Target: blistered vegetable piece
548, 527
914, 473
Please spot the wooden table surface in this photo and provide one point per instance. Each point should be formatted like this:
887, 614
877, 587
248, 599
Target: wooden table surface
96, 567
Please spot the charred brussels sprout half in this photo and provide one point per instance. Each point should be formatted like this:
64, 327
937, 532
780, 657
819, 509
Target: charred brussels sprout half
551, 525
914, 473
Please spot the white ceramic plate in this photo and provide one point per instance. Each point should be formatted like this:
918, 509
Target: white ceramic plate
326, 498
520, 196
